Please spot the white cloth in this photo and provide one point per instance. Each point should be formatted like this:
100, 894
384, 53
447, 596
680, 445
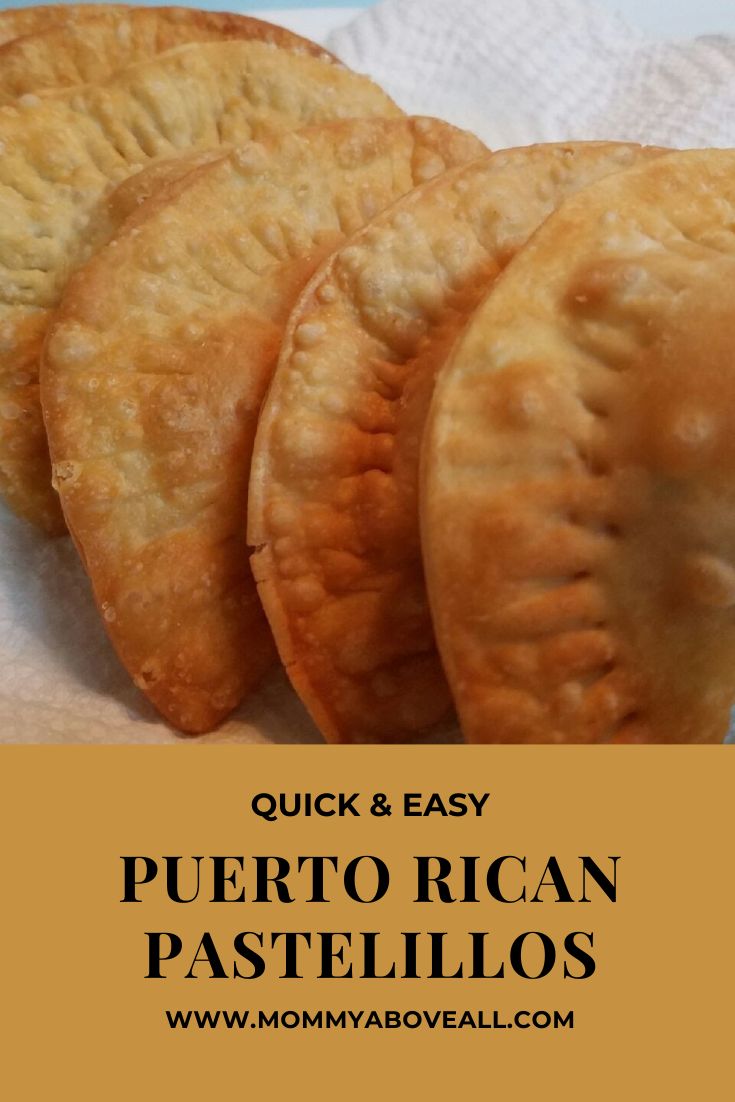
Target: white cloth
521, 71
514, 71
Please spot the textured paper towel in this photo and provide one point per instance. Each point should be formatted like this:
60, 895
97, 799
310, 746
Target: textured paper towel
521, 71
515, 71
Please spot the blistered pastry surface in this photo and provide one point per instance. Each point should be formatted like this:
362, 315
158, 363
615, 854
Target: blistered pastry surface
61, 157
87, 47
154, 373
577, 494
333, 503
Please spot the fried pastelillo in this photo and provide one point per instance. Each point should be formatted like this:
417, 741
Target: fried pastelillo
88, 50
63, 156
154, 373
333, 497
578, 504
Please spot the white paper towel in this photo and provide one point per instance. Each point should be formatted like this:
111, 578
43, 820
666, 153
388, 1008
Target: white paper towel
521, 71
515, 71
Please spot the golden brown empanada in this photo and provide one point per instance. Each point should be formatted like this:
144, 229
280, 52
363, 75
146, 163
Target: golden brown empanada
153, 378
333, 497
89, 48
61, 158
578, 503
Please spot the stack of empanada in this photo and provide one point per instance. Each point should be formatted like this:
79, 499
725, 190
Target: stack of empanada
437, 426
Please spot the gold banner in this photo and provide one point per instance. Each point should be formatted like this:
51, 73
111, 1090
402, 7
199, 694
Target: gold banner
222, 922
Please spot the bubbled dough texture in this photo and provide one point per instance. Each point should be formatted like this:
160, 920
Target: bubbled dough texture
578, 495
21, 21
154, 374
62, 156
35, 19
129, 197
88, 50
334, 486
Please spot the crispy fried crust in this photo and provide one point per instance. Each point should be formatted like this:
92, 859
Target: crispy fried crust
578, 497
333, 498
86, 50
127, 199
63, 156
21, 21
168, 21
154, 375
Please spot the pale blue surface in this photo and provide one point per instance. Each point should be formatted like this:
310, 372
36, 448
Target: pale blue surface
667, 18
224, 5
